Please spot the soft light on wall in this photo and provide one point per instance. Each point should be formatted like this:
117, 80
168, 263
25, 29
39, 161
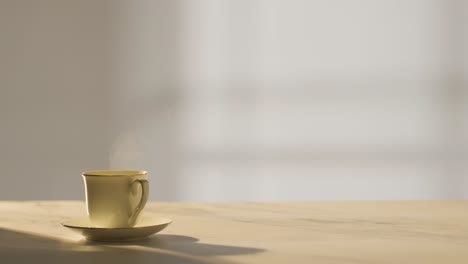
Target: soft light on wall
238, 100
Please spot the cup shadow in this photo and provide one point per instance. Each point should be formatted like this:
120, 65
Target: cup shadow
20, 247
184, 244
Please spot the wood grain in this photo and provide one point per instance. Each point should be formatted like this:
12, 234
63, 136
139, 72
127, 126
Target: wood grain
310, 232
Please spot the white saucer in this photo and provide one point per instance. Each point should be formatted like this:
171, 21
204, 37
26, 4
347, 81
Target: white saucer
146, 227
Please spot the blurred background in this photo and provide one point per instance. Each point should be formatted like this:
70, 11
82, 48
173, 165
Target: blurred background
232, 100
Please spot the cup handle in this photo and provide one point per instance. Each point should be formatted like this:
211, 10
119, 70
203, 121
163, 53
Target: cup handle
143, 200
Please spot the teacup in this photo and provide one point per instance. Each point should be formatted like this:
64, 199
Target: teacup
115, 198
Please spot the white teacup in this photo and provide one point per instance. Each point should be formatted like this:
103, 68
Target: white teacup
115, 198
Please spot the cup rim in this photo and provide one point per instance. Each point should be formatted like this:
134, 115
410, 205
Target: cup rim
114, 173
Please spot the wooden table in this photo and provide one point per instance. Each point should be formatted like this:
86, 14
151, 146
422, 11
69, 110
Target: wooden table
310, 232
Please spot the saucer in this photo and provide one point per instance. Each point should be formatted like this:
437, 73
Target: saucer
146, 227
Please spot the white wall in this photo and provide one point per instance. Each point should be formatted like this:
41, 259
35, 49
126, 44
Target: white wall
237, 100
54, 92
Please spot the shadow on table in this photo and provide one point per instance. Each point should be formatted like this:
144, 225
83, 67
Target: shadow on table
19, 247
184, 244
